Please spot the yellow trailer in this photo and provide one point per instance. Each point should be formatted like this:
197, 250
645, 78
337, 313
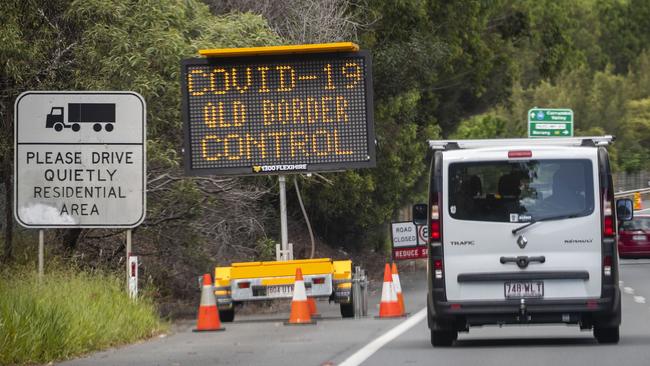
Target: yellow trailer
253, 281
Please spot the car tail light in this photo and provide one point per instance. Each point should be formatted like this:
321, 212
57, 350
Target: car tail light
318, 280
608, 217
607, 265
437, 268
520, 154
243, 284
435, 218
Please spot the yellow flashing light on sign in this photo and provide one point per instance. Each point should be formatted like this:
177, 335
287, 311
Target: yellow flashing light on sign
281, 50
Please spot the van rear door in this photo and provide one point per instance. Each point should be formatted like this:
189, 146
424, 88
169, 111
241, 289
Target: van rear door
491, 194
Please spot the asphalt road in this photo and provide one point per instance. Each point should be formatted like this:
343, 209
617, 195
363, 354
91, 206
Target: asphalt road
263, 340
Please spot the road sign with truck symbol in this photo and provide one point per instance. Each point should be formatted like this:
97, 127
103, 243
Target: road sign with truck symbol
80, 159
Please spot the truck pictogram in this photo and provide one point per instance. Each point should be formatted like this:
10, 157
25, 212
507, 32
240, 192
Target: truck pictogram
99, 114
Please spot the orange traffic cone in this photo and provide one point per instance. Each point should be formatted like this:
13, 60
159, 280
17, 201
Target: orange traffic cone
398, 288
313, 310
208, 318
299, 304
389, 306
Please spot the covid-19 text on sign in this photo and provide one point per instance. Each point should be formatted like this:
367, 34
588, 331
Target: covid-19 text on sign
275, 114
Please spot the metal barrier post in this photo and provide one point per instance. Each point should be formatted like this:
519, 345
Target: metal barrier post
364, 293
359, 292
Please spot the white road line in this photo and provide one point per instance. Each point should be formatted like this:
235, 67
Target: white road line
368, 350
628, 290
639, 299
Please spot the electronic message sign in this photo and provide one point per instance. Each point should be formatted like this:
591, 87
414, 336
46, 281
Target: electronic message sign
278, 114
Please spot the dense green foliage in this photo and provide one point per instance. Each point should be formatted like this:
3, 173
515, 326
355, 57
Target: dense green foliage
607, 87
69, 313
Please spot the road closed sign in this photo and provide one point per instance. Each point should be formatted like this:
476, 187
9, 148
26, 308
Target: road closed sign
408, 240
79, 159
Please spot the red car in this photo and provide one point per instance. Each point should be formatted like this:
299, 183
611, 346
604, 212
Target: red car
634, 237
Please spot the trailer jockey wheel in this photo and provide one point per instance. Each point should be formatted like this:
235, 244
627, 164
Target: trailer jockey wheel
76, 127
109, 127
97, 127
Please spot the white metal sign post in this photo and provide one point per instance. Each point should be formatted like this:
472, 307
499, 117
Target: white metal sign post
80, 159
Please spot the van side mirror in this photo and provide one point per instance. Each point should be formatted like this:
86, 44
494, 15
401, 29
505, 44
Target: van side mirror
420, 213
624, 209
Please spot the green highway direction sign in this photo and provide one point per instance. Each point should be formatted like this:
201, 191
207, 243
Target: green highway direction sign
550, 122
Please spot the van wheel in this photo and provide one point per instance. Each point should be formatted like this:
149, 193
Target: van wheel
227, 316
606, 335
58, 127
443, 338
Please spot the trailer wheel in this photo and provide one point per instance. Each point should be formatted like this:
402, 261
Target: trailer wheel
97, 127
227, 316
76, 127
109, 127
347, 310
58, 127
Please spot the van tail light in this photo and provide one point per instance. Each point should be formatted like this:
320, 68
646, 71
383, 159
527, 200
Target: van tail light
608, 215
607, 265
318, 280
434, 229
437, 268
244, 284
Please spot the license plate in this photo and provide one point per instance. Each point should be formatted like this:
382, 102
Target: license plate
523, 289
638, 237
280, 291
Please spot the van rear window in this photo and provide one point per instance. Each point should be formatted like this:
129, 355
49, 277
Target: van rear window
505, 191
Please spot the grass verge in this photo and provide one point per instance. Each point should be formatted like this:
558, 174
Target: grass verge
69, 313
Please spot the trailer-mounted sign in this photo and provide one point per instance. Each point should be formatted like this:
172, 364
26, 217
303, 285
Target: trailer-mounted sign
79, 159
278, 114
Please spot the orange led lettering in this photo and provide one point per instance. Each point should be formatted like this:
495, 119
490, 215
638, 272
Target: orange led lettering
324, 101
258, 144
296, 111
338, 151
204, 147
235, 83
353, 75
341, 105
213, 115
292, 78
283, 112
238, 113
312, 110
226, 147
264, 79
190, 83
278, 137
298, 141
328, 72
327, 142
213, 81
268, 109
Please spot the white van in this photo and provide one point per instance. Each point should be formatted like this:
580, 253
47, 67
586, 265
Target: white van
522, 231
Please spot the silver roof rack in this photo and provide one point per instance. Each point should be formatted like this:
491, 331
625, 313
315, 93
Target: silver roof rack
553, 141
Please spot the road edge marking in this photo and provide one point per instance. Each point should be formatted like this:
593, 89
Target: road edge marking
369, 349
